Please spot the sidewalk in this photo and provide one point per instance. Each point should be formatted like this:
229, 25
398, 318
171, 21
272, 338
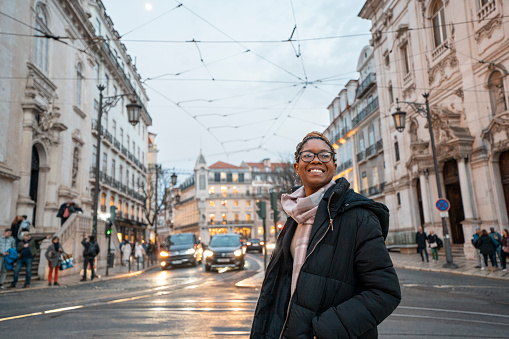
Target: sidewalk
412, 262
117, 272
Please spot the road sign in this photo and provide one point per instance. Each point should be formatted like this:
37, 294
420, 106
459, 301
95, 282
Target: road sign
443, 205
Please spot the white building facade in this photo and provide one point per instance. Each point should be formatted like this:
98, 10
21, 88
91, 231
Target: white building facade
456, 52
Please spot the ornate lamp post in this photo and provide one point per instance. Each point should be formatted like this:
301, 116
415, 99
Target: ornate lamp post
399, 123
133, 112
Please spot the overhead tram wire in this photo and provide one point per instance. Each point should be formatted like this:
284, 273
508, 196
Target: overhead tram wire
240, 44
298, 53
150, 21
203, 62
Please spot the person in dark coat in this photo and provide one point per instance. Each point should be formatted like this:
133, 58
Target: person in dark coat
488, 248
420, 240
90, 251
330, 275
53, 254
505, 248
15, 228
65, 211
27, 250
433, 244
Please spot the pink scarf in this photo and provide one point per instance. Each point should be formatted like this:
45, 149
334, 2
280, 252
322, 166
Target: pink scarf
303, 210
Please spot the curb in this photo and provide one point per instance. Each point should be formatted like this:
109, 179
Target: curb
449, 271
103, 278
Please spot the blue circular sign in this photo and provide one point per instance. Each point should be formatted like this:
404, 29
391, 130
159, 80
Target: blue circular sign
443, 205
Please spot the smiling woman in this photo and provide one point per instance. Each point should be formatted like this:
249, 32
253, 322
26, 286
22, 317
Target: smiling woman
330, 274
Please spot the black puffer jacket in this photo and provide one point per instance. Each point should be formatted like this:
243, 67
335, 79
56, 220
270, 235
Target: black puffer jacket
347, 285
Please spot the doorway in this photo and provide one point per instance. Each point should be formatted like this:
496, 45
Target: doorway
504, 174
34, 181
419, 201
453, 194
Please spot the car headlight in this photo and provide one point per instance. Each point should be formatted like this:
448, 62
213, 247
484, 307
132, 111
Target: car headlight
164, 254
190, 251
208, 253
237, 253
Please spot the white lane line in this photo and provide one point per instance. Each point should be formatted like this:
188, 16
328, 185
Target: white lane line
446, 319
454, 286
63, 309
202, 309
453, 311
231, 333
21, 316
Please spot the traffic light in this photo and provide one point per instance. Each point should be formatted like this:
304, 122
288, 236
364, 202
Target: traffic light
262, 209
109, 223
273, 201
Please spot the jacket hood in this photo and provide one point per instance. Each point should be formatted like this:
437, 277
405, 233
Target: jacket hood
344, 198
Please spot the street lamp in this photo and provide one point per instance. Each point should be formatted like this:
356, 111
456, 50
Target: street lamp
399, 122
133, 111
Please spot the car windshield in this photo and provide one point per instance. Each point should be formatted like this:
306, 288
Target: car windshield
224, 242
180, 239
254, 240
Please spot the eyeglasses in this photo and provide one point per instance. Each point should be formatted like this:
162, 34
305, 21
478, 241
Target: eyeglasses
308, 156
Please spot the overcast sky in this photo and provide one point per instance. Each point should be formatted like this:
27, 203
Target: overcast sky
239, 93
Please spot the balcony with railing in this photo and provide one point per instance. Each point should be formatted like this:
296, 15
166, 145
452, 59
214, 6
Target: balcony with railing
378, 189
486, 10
113, 183
370, 108
379, 146
370, 151
360, 156
366, 84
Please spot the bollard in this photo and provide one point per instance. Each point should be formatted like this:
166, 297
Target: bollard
137, 263
129, 264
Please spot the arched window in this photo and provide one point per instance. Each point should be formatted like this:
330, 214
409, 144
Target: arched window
79, 82
497, 93
361, 142
103, 202
371, 136
41, 44
119, 208
126, 210
438, 23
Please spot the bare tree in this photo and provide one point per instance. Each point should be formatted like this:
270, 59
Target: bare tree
155, 193
284, 176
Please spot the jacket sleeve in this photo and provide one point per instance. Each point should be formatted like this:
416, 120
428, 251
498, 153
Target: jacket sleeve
378, 285
46, 255
32, 247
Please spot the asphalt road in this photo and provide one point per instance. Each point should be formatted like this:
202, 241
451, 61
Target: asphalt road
192, 303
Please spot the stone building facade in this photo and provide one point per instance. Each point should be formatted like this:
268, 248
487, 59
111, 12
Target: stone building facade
458, 53
48, 115
221, 198
355, 131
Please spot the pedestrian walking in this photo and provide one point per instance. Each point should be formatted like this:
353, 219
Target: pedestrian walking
65, 211
126, 252
498, 239
477, 234
150, 250
333, 238
6, 243
53, 255
505, 249
23, 227
488, 247
420, 240
433, 244
27, 250
139, 253
90, 251
15, 228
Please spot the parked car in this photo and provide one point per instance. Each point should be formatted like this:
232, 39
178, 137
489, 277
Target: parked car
181, 249
225, 250
254, 245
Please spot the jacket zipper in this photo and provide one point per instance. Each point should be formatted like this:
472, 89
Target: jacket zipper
307, 256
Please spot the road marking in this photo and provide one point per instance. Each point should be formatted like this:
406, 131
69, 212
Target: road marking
129, 299
453, 286
21, 316
232, 333
447, 319
63, 309
202, 309
453, 311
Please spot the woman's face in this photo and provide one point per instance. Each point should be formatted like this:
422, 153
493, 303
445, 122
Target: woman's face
505, 233
315, 174
55, 241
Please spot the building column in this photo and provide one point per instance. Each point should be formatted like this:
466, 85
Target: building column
425, 197
25, 203
470, 222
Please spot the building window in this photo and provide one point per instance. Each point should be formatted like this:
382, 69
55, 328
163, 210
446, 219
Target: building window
105, 162
371, 136
132, 212
79, 82
497, 93
248, 217
236, 218
396, 150
236, 203
235, 190
404, 57
241, 177
126, 210
211, 190
119, 208
97, 27
107, 84
484, 2
361, 142
229, 177
223, 191
375, 177
212, 203
248, 202
103, 202
235, 177
120, 174
398, 197
94, 156
127, 177
391, 94
224, 219
122, 136
113, 169
114, 128
223, 176
41, 44
224, 203
438, 23
212, 216
112, 201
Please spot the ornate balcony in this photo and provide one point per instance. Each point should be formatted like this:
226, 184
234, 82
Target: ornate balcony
366, 84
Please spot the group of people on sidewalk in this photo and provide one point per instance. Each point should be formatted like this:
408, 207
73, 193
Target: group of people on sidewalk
139, 251
490, 245
20, 254
422, 240
66, 209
